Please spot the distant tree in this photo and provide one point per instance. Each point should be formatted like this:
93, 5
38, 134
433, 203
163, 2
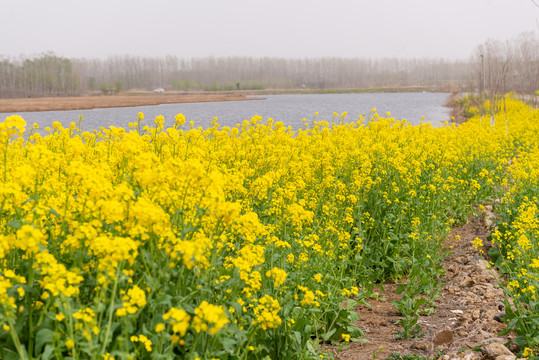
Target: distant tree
92, 83
118, 86
104, 88
186, 84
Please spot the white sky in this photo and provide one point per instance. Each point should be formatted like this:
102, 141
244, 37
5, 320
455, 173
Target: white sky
280, 28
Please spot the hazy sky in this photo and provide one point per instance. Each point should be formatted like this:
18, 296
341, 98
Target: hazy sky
281, 28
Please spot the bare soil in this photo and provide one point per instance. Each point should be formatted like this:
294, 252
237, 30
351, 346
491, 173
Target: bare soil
92, 102
464, 318
457, 111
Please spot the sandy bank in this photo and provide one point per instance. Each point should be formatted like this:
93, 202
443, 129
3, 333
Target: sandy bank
92, 102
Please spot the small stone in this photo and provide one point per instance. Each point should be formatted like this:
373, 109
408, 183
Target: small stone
419, 346
496, 350
463, 333
466, 282
482, 265
479, 293
493, 339
486, 335
513, 347
457, 312
500, 317
505, 357
443, 337
471, 356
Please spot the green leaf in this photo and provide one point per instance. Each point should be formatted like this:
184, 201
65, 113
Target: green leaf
494, 253
43, 336
228, 344
355, 332
297, 337
54, 212
48, 352
237, 308
15, 224
11, 355
310, 347
354, 316
351, 304
329, 334
360, 340
31, 198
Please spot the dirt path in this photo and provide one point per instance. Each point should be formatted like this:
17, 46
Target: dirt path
92, 102
464, 318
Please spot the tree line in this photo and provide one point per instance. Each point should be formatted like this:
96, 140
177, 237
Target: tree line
512, 65
494, 66
46, 74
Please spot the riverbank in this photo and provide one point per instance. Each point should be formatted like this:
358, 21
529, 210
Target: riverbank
144, 98
394, 89
92, 102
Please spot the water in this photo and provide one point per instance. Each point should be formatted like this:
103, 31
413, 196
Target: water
290, 109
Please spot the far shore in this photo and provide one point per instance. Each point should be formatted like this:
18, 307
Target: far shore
102, 101
130, 99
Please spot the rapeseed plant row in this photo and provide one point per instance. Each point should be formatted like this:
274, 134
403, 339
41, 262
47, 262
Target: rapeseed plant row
249, 242
516, 234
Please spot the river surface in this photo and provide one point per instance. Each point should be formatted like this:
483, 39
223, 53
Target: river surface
290, 109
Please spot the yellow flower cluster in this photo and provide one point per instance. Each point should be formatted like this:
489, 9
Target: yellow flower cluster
179, 319
28, 239
267, 313
55, 278
12, 127
133, 301
7, 281
210, 318
278, 275
143, 340
308, 297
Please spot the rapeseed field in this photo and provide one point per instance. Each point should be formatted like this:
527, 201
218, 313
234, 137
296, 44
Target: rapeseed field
251, 242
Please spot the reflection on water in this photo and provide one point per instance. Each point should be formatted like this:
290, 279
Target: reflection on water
290, 109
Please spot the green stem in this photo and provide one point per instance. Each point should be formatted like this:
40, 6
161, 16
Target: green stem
5, 162
71, 334
111, 311
16, 341
30, 307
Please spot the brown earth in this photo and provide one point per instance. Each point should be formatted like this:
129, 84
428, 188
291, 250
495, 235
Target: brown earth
92, 102
464, 318
457, 111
